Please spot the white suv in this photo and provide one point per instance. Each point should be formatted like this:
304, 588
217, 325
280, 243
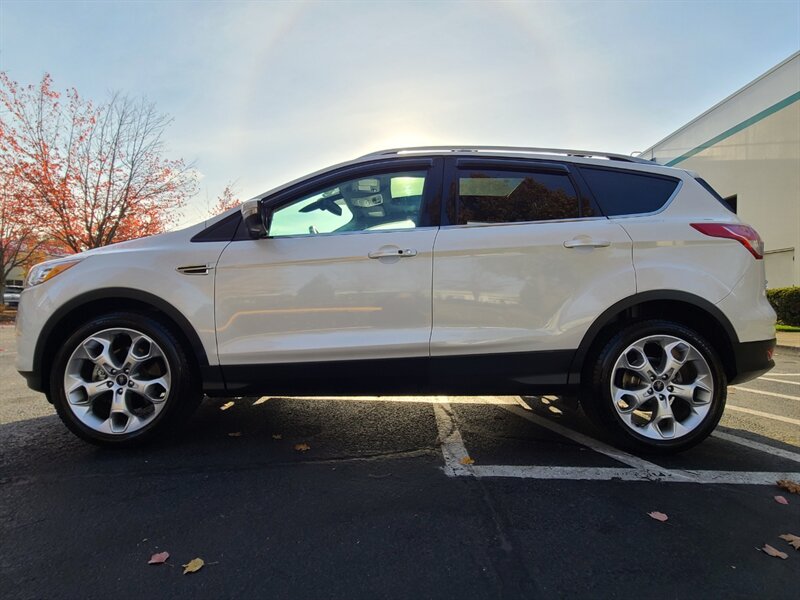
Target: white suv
478, 270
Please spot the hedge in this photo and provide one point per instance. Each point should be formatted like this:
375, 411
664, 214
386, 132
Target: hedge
786, 302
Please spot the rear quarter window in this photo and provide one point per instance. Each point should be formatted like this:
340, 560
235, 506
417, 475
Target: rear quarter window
627, 193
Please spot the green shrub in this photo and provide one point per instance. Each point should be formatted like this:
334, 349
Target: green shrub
786, 302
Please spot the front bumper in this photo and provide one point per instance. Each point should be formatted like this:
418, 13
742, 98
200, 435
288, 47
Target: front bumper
752, 359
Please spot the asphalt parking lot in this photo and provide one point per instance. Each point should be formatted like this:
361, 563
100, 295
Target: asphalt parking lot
381, 506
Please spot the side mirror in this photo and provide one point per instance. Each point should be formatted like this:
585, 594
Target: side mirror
253, 221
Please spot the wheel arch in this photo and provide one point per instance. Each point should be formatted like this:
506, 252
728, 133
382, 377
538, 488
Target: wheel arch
682, 307
66, 318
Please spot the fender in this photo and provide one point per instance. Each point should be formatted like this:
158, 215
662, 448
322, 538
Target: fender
641, 298
117, 293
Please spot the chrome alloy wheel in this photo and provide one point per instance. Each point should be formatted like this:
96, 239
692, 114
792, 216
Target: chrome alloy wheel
117, 380
662, 387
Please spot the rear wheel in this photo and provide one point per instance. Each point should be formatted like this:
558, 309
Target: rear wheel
657, 386
122, 379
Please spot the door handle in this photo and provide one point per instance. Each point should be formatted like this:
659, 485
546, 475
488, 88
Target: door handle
586, 242
392, 253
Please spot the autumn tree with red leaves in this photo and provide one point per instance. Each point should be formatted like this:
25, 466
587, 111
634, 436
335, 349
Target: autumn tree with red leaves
96, 174
20, 240
226, 201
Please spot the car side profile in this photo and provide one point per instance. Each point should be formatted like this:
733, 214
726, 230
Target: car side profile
446, 270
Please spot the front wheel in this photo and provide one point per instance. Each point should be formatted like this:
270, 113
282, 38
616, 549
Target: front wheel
657, 386
121, 379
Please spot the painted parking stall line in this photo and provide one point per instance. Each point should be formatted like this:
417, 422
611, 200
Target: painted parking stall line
759, 413
635, 469
735, 439
762, 393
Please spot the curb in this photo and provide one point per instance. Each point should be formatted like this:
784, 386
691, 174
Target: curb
788, 349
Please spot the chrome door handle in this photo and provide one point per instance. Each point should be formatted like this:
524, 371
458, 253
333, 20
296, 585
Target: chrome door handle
586, 242
392, 253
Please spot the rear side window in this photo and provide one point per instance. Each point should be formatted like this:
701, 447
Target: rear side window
514, 197
627, 193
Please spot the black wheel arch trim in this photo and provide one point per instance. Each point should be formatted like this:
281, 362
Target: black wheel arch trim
36, 378
637, 299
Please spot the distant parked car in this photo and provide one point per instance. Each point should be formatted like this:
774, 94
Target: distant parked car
425, 270
11, 296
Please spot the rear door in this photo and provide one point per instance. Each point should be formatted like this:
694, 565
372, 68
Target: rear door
523, 265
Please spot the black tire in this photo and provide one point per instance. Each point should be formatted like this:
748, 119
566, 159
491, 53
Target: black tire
598, 404
183, 397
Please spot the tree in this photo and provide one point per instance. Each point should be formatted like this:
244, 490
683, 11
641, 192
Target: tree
20, 241
225, 201
98, 174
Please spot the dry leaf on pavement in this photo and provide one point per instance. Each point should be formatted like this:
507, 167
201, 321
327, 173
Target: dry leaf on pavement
226, 406
781, 500
789, 486
767, 549
467, 461
193, 566
302, 447
277, 436
658, 516
794, 540
158, 559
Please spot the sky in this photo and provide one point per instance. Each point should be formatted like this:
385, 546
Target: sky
264, 92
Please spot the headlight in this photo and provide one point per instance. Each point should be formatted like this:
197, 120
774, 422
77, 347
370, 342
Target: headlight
47, 270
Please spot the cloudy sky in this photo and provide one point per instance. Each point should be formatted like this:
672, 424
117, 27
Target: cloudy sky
263, 92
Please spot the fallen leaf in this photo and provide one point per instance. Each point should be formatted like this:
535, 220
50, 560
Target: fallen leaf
226, 406
277, 436
794, 540
781, 500
467, 461
767, 549
658, 516
235, 434
789, 486
158, 559
302, 447
193, 566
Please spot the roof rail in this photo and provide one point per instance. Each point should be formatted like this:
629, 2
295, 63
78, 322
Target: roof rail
514, 149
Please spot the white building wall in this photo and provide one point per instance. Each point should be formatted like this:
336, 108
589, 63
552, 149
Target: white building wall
748, 145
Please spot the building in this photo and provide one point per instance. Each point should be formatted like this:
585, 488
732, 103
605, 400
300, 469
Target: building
748, 148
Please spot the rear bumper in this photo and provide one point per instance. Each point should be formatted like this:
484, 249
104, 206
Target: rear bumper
752, 359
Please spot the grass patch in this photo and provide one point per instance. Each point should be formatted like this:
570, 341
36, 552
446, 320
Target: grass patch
786, 328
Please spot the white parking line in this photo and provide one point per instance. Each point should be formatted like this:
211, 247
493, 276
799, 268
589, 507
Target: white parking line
758, 413
778, 380
752, 391
784, 374
757, 446
454, 451
608, 474
585, 440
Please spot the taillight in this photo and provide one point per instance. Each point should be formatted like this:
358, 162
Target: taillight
744, 234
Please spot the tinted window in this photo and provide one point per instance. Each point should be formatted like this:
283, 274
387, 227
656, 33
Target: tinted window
514, 197
627, 193
381, 201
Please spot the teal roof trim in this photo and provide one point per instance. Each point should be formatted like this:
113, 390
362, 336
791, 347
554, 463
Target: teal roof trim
737, 128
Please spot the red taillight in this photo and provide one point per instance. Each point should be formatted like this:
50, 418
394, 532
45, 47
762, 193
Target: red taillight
744, 234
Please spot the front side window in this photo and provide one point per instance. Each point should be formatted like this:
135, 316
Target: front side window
376, 202
514, 197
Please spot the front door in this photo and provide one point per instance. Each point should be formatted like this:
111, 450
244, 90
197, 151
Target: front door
344, 276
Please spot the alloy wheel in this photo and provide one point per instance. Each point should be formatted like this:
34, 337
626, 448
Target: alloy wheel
117, 381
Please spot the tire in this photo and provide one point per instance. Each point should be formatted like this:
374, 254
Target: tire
649, 402
123, 379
